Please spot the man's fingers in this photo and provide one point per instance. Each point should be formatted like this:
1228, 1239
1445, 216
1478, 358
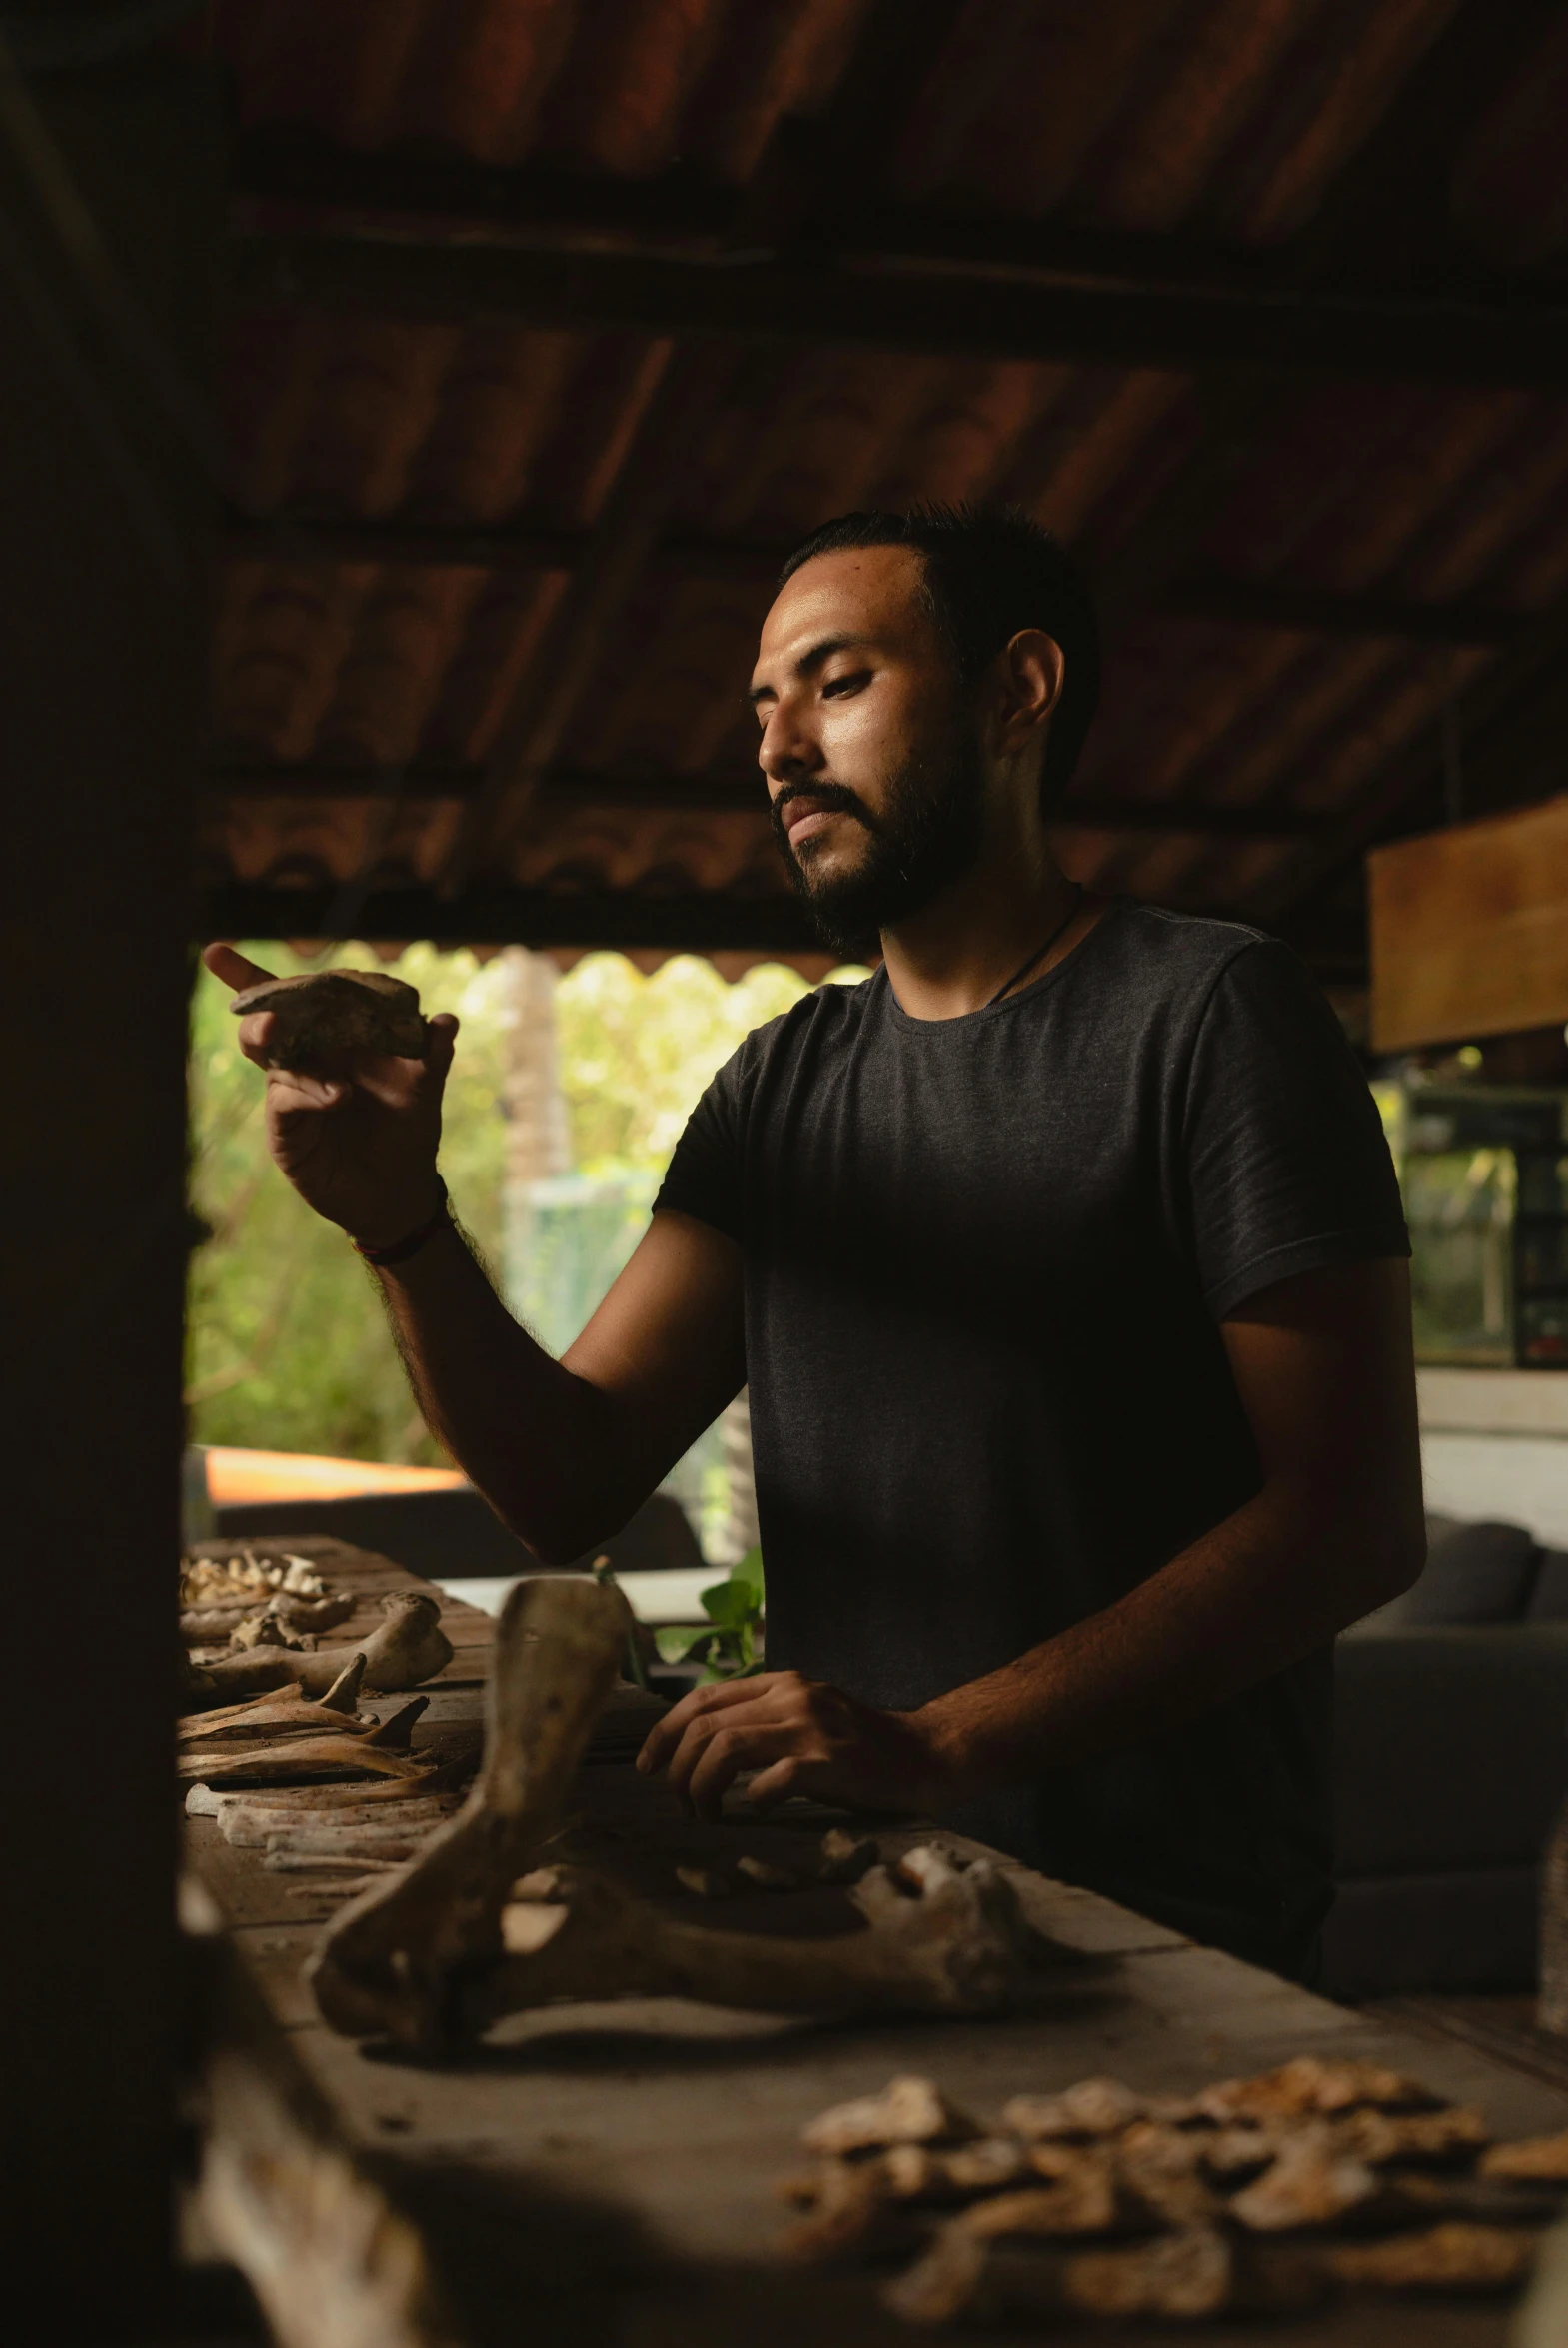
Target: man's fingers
233, 969
666, 1734
290, 1093
722, 1760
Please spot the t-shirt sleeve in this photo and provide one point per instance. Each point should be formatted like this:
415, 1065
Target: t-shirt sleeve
1287, 1167
704, 1179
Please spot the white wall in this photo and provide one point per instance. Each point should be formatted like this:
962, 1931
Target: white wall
1494, 1442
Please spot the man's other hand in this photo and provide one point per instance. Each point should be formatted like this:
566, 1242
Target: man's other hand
798, 1736
359, 1146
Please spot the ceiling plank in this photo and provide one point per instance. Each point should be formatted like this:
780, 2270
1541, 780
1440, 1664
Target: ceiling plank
890, 306
564, 789
1253, 603
490, 913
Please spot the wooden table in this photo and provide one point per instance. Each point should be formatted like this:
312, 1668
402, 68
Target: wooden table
612, 2166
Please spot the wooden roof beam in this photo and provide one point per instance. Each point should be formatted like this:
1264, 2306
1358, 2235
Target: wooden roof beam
884, 305
564, 789
1254, 603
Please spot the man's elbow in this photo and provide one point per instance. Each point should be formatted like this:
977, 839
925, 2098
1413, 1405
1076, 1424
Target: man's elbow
1392, 1554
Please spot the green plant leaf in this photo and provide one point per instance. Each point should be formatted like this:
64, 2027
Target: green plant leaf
729, 1603
749, 1570
676, 1641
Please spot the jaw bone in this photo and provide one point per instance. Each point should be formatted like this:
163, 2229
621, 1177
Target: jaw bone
410, 1647
442, 1949
391, 1959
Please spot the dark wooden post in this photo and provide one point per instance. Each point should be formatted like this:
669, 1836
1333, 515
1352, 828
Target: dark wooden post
102, 657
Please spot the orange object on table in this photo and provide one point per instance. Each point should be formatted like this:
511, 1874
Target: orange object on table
237, 1478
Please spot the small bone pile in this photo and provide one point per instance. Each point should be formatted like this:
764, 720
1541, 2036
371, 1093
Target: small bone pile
407, 1648
243, 1602
1235, 2201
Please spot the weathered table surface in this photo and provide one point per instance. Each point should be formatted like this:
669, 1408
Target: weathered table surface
616, 2164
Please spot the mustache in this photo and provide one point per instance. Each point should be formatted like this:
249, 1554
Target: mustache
837, 796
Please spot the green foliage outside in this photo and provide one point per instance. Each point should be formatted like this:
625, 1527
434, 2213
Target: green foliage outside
734, 1608
288, 1348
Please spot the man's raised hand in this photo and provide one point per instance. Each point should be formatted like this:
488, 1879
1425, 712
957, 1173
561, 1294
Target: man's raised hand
358, 1144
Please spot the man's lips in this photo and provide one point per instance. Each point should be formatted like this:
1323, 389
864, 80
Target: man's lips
804, 814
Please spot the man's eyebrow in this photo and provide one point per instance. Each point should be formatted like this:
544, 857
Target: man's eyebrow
809, 661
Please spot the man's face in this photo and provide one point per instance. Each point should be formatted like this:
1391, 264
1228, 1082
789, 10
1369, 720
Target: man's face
875, 767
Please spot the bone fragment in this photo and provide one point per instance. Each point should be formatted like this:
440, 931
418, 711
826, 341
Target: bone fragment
445, 1779
1309, 2183
845, 1857
923, 2172
250, 1827
851, 2211
948, 2281
344, 1843
410, 1647
1235, 2154
290, 1862
909, 2110
323, 1019
1309, 2086
388, 1960
702, 1882
1084, 2200
1454, 2257
235, 1581
284, 1712
1185, 2276
925, 1868
765, 1874
296, 1760
1094, 2107
1159, 2170
1534, 2160
1378, 2137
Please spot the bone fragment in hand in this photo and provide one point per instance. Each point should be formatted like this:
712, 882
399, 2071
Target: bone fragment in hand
409, 1649
845, 1857
909, 2110
1094, 2107
1533, 2160
764, 1876
1454, 2257
702, 1882
388, 1962
324, 1020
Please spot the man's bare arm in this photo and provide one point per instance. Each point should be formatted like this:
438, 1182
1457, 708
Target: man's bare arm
566, 1450
1323, 1368
563, 1450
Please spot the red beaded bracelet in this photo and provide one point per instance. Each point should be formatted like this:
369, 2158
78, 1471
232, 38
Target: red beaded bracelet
404, 1248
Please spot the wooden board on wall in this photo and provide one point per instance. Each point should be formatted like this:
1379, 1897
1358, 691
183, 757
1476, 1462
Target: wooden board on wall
1469, 930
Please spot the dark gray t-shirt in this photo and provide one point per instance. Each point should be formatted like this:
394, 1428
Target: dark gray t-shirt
985, 1262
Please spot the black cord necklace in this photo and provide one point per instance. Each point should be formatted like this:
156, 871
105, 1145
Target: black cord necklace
1041, 951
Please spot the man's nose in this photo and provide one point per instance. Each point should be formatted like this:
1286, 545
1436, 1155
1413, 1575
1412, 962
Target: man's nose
787, 750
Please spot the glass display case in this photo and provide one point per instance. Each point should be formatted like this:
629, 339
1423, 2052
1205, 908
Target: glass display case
1484, 1172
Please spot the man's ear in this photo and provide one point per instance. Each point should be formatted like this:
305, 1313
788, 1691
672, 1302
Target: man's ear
1031, 674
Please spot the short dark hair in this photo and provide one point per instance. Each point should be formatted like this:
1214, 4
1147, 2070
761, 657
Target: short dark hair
990, 571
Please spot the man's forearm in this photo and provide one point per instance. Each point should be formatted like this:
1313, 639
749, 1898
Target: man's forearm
542, 1446
1261, 1591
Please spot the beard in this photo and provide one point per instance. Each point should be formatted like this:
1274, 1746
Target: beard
927, 836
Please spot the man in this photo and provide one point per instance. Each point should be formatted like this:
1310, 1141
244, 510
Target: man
1065, 1262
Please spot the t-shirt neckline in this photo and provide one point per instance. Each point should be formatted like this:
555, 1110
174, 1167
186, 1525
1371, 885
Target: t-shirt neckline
988, 1011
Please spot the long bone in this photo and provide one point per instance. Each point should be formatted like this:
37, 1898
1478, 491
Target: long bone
959, 1945
284, 1712
374, 1752
409, 1649
440, 1950
390, 1960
